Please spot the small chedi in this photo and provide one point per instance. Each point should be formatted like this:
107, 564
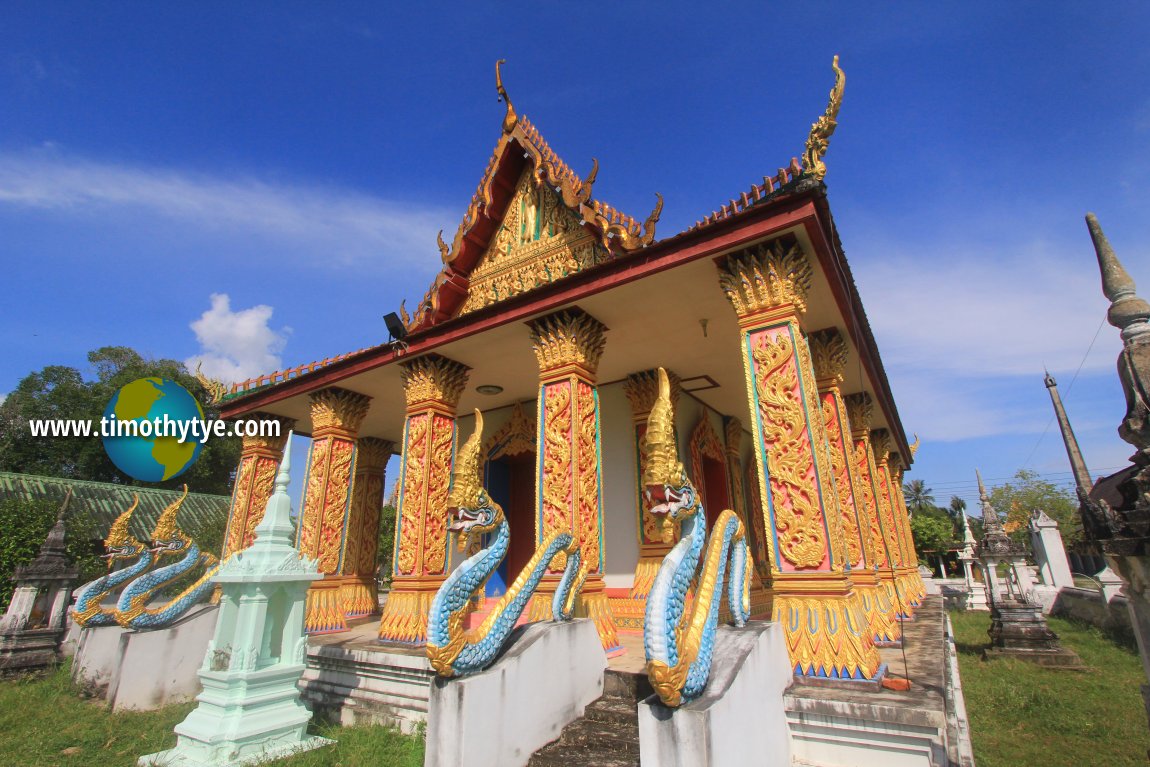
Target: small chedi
679, 648
140, 577
250, 709
31, 629
452, 650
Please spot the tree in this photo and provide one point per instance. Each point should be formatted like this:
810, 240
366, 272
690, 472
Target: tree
1028, 493
956, 508
931, 533
918, 495
62, 392
26, 525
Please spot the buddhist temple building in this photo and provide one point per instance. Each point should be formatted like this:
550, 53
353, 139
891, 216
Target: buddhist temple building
550, 313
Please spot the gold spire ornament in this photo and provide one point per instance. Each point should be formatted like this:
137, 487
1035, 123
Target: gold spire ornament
663, 465
510, 120
821, 129
465, 484
215, 389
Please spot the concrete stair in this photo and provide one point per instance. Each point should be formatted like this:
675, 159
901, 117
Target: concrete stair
608, 733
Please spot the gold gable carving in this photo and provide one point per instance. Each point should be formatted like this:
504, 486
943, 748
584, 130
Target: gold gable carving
540, 241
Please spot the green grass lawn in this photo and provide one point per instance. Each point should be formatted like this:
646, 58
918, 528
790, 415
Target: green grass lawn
43, 723
1023, 715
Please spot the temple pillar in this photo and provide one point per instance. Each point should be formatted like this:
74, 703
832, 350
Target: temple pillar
897, 568
432, 387
255, 478
567, 347
859, 408
914, 582
829, 354
750, 514
814, 599
358, 592
323, 525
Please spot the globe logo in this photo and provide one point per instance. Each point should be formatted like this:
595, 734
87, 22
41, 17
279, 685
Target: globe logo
142, 427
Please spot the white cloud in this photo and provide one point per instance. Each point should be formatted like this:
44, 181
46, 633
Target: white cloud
236, 345
343, 224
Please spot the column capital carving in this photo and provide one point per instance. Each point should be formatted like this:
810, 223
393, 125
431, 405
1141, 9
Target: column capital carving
372, 454
433, 378
766, 277
733, 431
829, 355
568, 337
881, 442
642, 389
335, 409
895, 466
268, 444
860, 408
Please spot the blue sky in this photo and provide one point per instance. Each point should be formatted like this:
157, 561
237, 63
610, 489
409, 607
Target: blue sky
255, 184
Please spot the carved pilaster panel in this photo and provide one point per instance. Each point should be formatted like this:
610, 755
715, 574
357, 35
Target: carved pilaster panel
839, 444
255, 476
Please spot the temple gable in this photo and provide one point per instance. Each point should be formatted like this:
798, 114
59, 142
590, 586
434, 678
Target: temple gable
539, 241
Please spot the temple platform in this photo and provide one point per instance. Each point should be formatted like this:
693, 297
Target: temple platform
352, 679
925, 726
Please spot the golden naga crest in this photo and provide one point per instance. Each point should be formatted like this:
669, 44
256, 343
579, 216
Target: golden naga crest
167, 534
468, 499
663, 465
120, 538
820, 136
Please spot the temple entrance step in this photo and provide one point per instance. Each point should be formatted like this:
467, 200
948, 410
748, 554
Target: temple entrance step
607, 735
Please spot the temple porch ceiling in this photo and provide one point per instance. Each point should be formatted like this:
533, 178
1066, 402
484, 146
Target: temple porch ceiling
651, 322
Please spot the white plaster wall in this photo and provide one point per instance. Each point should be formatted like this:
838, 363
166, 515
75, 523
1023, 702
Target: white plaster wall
620, 485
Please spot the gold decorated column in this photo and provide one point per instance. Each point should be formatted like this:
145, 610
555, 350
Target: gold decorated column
567, 346
432, 387
642, 389
896, 546
821, 613
752, 517
255, 476
902, 515
336, 415
859, 408
829, 352
358, 593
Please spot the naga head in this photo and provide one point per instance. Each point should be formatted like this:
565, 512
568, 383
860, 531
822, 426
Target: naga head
470, 510
120, 543
670, 495
168, 538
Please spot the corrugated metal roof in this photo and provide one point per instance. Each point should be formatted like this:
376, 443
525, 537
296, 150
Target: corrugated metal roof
102, 502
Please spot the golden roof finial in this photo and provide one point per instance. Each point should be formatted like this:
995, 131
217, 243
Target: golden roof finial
510, 119
914, 447
465, 485
663, 467
215, 389
118, 533
821, 129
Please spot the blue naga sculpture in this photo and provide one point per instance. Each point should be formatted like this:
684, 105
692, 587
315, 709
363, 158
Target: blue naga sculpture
122, 547
679, 649
452, 650
132, 610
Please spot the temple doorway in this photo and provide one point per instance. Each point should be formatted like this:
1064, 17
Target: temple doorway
715, 495
511, 484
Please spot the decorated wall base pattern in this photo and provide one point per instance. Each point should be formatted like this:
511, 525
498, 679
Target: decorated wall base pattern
358, 596
405, 612
324, 609
879, 612
827, 636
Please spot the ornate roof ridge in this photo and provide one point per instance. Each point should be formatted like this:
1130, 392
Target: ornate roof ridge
771, 187
243, 388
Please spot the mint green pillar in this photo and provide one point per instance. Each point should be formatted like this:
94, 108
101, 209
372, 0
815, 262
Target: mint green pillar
249, 710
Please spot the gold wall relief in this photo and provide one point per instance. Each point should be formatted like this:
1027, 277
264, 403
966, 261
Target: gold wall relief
335, 504
438, 485
241, 511
361, 543
790, 459
842, 473
733, 433
824, 474
516, 437
255, 476
587, 489
539, 241
413, 496
864, 463
705, 443
316, 488
556, 483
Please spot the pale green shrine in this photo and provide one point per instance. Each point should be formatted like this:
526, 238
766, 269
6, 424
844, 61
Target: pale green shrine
249, 710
